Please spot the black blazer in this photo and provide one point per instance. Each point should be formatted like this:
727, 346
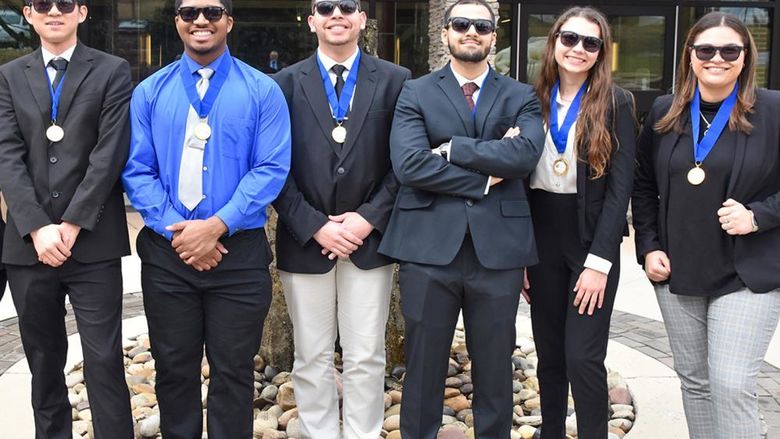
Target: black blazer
602, 203
755, 182
439, 201
330, 179
76, 179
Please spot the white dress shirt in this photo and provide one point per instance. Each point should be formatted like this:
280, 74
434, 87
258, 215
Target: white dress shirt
48, 56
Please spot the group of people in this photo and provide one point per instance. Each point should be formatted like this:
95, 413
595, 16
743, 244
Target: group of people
482, 188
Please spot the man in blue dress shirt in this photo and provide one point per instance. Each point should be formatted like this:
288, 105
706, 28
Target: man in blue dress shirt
210, 149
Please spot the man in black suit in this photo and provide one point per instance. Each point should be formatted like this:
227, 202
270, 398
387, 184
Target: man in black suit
461, 223
332, 212
64, 137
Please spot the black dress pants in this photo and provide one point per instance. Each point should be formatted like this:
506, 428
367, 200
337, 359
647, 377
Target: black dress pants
223, 309
431, 299
571, 347
95, 292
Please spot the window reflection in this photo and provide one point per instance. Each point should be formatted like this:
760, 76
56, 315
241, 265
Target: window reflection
16, 36
503, 59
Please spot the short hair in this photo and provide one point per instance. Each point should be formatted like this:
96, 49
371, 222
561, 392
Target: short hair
483, 3
227, 4
314, 2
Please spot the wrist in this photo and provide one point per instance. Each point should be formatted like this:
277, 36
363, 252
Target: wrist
218, 226
753, 221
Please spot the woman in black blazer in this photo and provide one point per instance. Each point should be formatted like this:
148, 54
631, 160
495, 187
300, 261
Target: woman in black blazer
579, 197
706, 207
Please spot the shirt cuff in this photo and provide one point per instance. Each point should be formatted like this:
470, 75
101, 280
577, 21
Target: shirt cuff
598, 263
487, 186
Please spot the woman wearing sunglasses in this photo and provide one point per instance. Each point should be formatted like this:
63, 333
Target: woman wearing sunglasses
579, 197
706, 210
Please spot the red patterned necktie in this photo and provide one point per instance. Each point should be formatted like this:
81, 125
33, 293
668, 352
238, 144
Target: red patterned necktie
468, 90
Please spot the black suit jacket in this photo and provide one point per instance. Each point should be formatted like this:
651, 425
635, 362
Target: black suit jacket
330, 179
76, 179
754, 182
440, 200
602, 203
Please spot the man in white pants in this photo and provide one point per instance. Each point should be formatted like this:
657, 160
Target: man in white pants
332, 211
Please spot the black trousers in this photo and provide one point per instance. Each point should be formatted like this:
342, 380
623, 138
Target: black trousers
95, 292
223, 309
431, 299
571, 347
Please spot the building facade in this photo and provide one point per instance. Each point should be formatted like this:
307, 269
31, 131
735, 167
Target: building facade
647, 35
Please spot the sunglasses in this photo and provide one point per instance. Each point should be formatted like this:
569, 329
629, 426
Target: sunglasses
706, 52
570, 39
210, 13
346, 7
462, 25
44, 6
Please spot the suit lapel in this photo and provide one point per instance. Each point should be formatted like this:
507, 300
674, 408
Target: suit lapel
487, 97
739, 158
364, 96
79, 66
665, 150
38, 81
313, 89
449, 85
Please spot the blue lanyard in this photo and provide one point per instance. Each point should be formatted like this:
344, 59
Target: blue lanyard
55, 97
559, 136
339, 106
701, 149
203, 107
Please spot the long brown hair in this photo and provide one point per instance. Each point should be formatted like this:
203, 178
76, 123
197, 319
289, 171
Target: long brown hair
686, 81
593, 132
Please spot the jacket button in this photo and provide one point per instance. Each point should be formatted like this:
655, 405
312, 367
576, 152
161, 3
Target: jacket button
52, 160
341, 171
469, 203
55, 194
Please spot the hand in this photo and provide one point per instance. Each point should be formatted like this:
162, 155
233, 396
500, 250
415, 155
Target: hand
657, 266
49, 246
355, 223
69, 232
735, 218
211, 259
337, 239
196, 238
590, 290
512, 132
526, 291
495, 180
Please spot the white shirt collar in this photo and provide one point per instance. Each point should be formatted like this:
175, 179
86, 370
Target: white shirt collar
48, 56
328, 62
479, 80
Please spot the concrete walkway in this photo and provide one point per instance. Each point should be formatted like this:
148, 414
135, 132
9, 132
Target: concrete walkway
638, 350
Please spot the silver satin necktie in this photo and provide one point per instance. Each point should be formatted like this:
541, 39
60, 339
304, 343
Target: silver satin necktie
191, 167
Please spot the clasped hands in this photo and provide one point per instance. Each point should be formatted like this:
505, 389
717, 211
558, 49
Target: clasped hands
342, 234
54, 242
197, 242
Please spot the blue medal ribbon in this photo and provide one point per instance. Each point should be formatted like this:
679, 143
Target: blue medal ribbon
203, 107
559, 136
55, 98
701, 149
340, 106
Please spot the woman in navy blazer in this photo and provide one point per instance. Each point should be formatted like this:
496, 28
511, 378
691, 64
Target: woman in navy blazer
706, 207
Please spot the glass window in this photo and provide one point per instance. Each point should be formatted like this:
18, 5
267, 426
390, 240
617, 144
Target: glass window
758, 21
16, 36
503, 59
403, 34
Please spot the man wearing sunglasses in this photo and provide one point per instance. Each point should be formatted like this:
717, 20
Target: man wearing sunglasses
332, 212
210, 150
463, 140
64, 133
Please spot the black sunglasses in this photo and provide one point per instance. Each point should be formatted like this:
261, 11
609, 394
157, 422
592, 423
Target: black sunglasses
346, 7
570, 39
483, 26
44, 6
210, 13
706, 52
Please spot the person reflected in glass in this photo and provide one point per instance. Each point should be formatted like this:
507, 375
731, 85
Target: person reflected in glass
579, 197
706, 209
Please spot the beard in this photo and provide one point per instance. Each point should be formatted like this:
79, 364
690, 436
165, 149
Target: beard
465, 55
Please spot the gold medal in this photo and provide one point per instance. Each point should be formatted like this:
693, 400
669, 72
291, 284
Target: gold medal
55, 133
339, 134
696, 175
560, 167
202, 130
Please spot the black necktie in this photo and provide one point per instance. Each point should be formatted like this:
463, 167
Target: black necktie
338, 69
60, 65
